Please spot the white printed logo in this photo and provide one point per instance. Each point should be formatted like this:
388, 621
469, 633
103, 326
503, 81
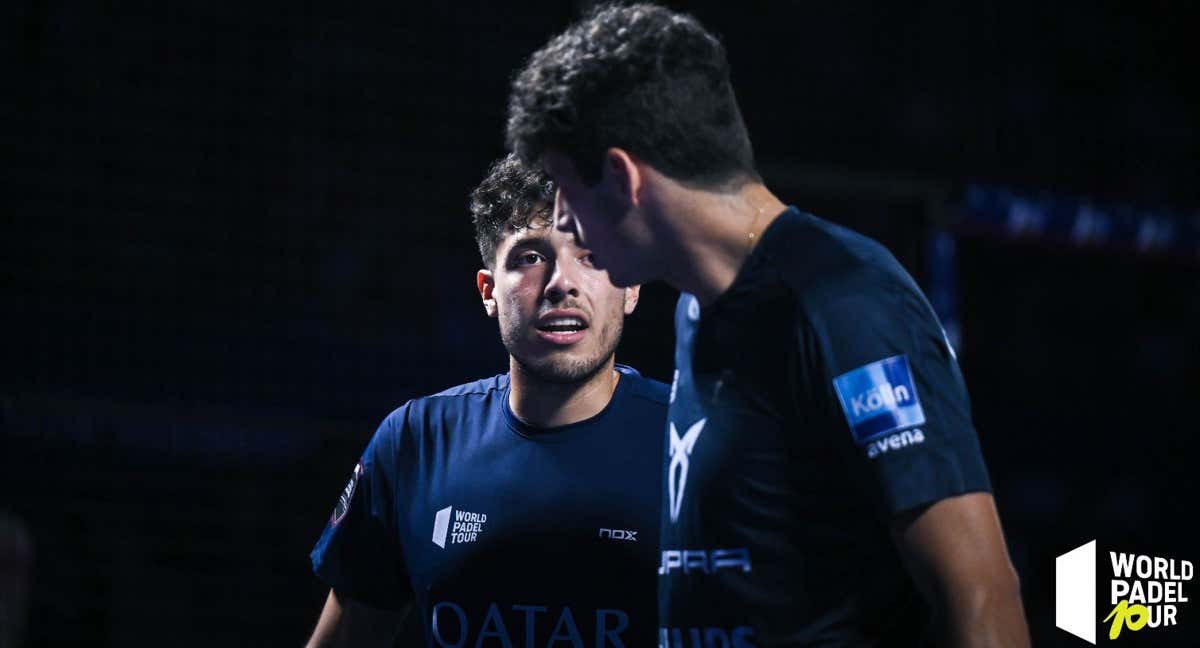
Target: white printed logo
466, 526
885, 395
895, 442
619, 534
704, 561
681, 450
441, 524
1145, 591
949, 345
343, 505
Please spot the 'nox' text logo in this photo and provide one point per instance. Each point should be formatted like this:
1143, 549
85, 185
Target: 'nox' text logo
619, 534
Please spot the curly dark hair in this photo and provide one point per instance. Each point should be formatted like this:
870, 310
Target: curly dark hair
640, 77
509, 199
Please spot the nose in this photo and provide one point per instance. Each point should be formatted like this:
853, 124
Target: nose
564, 281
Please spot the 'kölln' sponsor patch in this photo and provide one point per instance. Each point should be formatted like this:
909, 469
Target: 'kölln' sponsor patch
879, 398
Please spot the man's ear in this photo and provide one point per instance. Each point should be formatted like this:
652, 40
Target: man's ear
632, 294
621, 171
486, 283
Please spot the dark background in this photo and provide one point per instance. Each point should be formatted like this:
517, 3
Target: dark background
237, 238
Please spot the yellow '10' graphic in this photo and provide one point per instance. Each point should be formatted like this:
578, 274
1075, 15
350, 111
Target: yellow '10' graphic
1123, 617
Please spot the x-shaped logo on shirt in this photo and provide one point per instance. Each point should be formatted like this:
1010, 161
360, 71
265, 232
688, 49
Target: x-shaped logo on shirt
681, 450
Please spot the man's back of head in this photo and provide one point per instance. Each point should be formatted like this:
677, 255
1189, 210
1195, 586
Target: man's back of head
642, 78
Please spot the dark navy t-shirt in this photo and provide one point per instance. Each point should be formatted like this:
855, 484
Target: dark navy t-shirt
814, 401
503, 534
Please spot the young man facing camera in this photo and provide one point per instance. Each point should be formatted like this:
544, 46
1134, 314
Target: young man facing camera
822, 465
521, 509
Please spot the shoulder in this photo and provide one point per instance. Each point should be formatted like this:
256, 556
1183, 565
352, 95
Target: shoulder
423, 411
812, 254
827, 266
464, 395
467, 391
412, 425
643, 388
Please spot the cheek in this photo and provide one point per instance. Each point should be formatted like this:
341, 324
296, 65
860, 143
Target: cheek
511, 305
514, 300
610, 304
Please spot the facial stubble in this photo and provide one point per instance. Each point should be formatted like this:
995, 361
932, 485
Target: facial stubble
555, 367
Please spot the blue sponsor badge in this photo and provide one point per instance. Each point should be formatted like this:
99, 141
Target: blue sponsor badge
879, 398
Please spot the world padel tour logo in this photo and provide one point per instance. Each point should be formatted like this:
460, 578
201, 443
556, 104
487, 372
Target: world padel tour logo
1138, 593
457, 526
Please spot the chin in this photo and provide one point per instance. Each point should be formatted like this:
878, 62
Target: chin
562, 370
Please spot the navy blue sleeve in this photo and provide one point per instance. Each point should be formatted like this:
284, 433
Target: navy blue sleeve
359, 554
892, 383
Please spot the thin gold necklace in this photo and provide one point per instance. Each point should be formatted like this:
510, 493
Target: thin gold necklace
752, 234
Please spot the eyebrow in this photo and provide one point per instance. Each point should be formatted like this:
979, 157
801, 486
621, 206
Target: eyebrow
527, 240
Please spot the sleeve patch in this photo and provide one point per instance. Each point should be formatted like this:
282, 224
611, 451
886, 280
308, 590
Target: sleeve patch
347, 495
879, 398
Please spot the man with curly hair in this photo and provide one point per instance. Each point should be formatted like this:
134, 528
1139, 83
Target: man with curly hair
521, 509
822, 465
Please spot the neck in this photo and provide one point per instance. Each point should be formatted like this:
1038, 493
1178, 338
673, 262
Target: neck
710, 235
549, 404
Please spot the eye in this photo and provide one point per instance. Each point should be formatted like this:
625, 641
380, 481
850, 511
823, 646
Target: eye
529, 258
587, 260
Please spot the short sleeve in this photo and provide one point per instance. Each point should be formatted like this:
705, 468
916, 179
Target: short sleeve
892, 384
359, 553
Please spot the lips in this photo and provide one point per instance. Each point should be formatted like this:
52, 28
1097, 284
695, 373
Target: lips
562, 324
563, 327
